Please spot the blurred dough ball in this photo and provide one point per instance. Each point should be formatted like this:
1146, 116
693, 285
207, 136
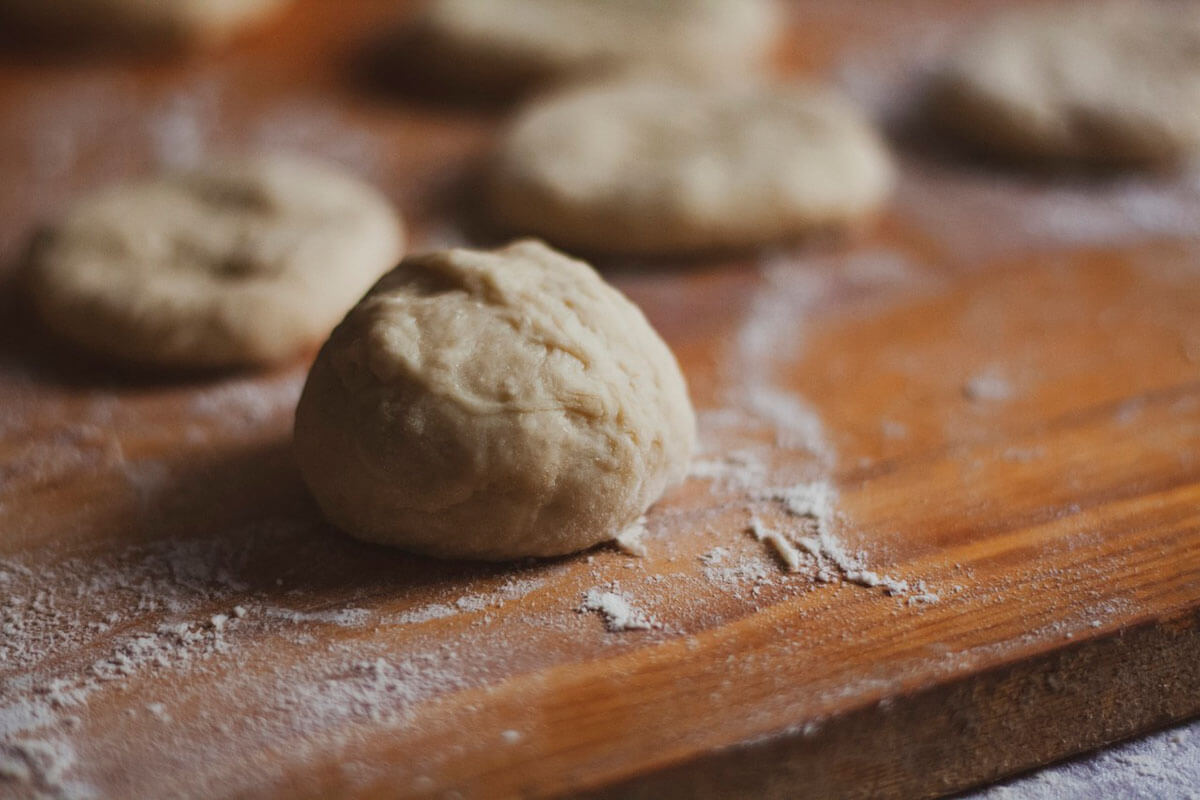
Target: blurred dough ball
1109, 82
508, 45
658, 168
492, 405
238, 263
147, 23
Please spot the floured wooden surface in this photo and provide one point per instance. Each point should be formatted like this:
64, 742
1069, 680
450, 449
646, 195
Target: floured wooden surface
968, 441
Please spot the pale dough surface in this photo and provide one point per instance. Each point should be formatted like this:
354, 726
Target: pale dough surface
153, 22
659, 168
240, 263
513, 43
492, 405
1101, 82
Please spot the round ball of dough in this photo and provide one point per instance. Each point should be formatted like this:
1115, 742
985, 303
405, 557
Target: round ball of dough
242, 263
150, 23
510, 44
492, 405
658, 168
1109, 82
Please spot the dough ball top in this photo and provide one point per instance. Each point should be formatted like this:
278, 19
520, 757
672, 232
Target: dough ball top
502, 331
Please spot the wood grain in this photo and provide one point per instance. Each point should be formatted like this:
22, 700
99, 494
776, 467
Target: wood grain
1055, 517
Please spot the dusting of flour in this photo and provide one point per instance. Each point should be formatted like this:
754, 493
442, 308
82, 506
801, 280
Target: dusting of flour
770, 337
617, 609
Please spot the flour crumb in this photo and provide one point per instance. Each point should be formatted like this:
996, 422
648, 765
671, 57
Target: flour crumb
923, 599
715, 556
345, 617
988, 386
812, 500
511, 736
749, 574
425, 613
513, 589
629, 541
786, 551
41, 766
618, 614
814, 504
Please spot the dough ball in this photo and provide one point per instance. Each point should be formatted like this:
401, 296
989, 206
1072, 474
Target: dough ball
152, 23
657, 168
1110, 82
492, 405
236, 264
503, 45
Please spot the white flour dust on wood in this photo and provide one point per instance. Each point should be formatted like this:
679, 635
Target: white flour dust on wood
813, 504
630, 541
990, 385
618, 611
770, 341
771, 336
78, 632
40, 767
513, 589
786, 551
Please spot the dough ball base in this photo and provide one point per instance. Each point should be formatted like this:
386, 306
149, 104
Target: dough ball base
648, 167
492, 405
1104, 83
238, 264
510, 45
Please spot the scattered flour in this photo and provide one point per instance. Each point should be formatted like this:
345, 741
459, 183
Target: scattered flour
425, 613
629, 541
786, 551
796, 424
345, 617
619, 614
513, 589
38, 766
166, 611
814, 504
991, 385
771, 336
380, 690
753, 574
769, 339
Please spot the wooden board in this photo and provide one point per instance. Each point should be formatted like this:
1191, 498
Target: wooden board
999, 381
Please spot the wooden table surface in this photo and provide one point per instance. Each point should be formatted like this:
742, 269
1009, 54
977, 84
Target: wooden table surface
998, 379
